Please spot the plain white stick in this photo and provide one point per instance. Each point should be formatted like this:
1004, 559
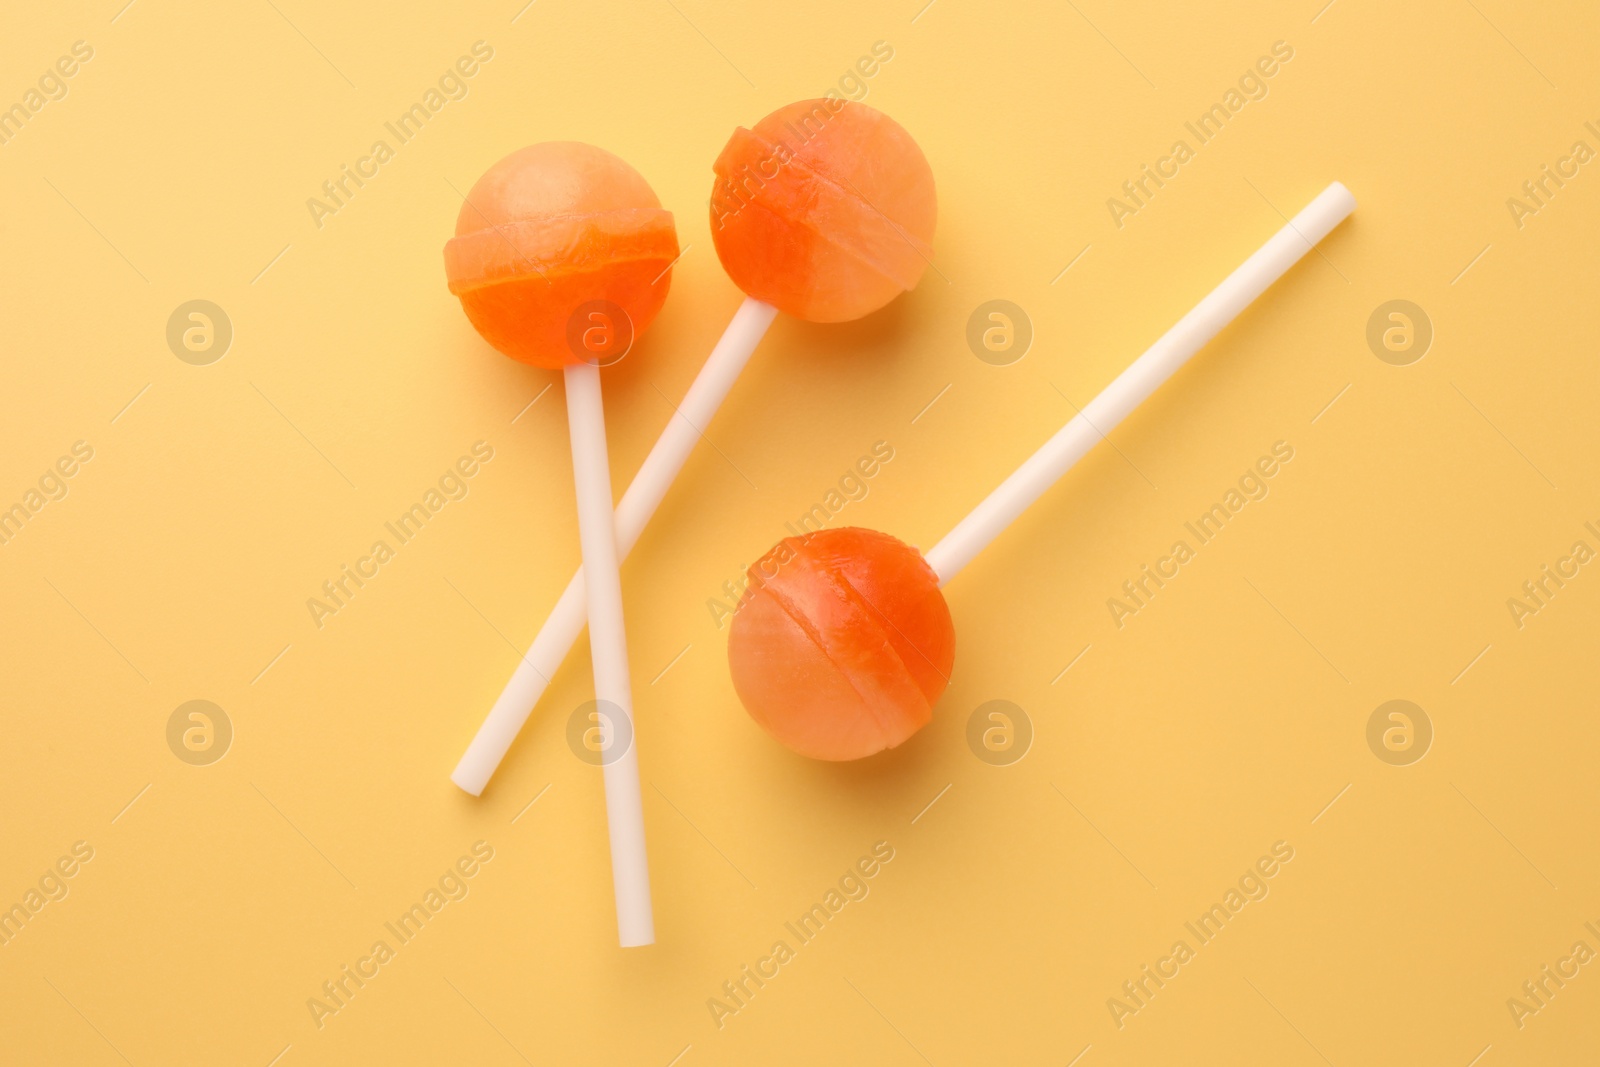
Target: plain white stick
1143, 377
630, 870
560, 631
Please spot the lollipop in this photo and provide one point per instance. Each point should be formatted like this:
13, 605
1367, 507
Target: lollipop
560, 259
844, 641
825, 210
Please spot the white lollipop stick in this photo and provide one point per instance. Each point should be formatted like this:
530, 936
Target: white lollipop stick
560, 631
630, 871
1041, 470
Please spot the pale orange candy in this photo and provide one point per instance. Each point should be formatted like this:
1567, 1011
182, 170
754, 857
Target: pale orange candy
825, 210
844, 643
551, 228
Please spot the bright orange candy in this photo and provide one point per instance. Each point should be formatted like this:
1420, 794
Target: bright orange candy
550, 229
825, 210
844, 643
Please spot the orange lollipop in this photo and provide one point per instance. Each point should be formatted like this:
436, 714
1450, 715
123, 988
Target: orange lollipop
560, 258
843, 642
844, 645
825, 210
550, 229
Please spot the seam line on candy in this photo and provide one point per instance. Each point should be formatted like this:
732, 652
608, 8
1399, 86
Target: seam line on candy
854, 594
457, 288
847, 189
788, 607
853, 253
922, 251
864, 599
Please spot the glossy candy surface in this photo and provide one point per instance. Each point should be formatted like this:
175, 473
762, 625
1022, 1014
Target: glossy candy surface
825, 210
550, 229
844, 643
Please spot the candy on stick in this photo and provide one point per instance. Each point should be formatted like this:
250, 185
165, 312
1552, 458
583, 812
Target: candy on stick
560, 259
825, 211
844, 642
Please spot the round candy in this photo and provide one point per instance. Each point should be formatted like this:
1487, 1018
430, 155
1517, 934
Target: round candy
843, 644
824, 210
551, 237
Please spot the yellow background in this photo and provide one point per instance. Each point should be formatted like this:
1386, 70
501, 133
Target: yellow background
1225, 716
